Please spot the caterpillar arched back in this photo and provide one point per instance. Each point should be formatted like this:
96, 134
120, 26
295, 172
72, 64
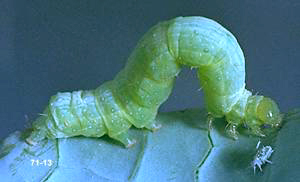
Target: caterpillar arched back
135, 94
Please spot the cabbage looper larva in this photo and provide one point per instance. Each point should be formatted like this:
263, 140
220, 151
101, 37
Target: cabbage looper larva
135, 94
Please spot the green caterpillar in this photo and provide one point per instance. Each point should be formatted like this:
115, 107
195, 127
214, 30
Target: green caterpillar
135, 94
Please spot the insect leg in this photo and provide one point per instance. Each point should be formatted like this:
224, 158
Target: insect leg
231, 130
153, 126
210, 120
270, 162
35, 136
39, 130
256, 130
124, 138
113, 114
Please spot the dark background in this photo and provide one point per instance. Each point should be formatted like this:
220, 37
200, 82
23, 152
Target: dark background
51, 46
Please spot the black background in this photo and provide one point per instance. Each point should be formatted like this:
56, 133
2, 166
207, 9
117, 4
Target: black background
51, 46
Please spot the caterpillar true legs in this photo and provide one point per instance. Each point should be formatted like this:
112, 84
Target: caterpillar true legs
135, 94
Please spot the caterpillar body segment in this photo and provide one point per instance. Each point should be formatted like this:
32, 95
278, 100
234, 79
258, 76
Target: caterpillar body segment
135, 94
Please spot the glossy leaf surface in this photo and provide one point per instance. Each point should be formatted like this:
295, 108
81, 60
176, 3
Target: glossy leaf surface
184, 149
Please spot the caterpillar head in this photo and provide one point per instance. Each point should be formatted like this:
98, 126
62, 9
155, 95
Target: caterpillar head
268, 113
261, 111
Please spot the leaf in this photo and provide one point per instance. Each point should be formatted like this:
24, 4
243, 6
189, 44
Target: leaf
184, 149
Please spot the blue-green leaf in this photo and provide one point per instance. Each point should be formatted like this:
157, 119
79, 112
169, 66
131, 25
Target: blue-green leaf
184, 149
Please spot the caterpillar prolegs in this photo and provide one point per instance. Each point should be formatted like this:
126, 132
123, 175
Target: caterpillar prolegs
135, 94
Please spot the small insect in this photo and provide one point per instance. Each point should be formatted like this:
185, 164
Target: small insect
135, 94
262, 156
